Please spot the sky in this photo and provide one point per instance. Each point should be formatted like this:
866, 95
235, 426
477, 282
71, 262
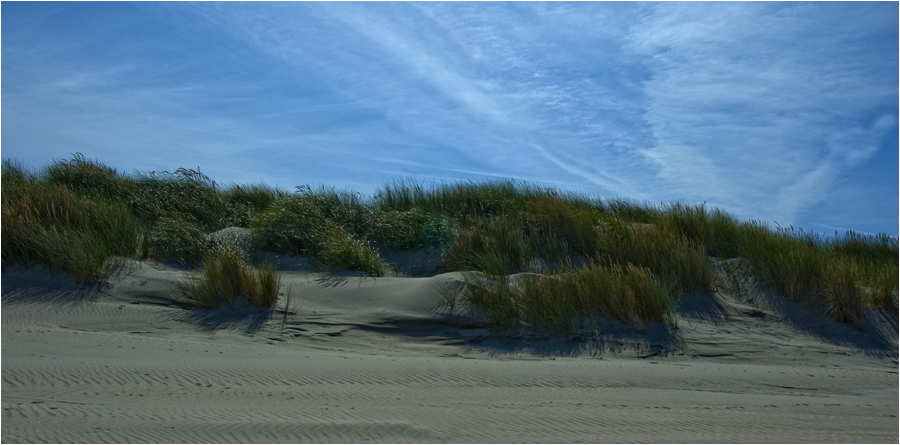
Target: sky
786, 113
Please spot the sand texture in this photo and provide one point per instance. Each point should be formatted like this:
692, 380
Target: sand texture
361, 359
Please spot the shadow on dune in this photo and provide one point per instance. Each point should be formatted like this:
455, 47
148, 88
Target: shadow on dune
610, 337
38, 285
595, 340
345, 278
702, 307
878, 338
240, 317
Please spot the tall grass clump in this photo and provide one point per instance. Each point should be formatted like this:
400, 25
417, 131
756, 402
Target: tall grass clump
246, 202
792, 264
876, 260
843, 274
89, 177
556, 303
187, 192
303, 224
342, 251
844, 297
49, 224
485, 242
571, 220
629, 211
459, 200
179, 239
398, 230
716, 232
226, 275
677, 260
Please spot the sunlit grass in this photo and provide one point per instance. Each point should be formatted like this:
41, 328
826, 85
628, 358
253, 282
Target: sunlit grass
305, 224
227, 275
564, 301
676, 259
48, 224
77, 215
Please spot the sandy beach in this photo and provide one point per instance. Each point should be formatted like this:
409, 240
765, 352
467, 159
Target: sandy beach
361, 359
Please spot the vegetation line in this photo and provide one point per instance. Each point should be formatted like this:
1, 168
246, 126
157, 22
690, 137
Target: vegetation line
533, 256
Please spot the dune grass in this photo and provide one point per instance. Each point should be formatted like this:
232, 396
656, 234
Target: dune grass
47, 223
77, 215
561, 302
843, 274
676, 259
310, 224
226, 275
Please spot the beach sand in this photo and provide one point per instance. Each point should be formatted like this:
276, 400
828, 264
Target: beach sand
361, 359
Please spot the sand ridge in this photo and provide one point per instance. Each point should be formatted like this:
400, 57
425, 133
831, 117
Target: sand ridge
362, 359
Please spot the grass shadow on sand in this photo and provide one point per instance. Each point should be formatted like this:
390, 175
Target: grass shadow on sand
702, 306
37, 285
238, 317
878, 338
609, 337
603, 337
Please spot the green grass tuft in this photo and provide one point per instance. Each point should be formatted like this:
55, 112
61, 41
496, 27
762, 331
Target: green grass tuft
185, 192
179, 239
342, 251
89, 177
556, 303
677, 260
49, 224
226, 275
305, 224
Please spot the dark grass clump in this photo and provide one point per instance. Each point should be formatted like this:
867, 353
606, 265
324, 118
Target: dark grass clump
716, 232
226, 275
186, 192
570, 220
246, 202
89, 178
876, 260
49, 224
459, 200
179, 239
398, 230
561, 302
485, 243
308, 224
680, 262
842, 275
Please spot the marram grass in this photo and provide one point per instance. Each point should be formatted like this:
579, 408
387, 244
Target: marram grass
79, 215
227, 275
49, 224
561, 302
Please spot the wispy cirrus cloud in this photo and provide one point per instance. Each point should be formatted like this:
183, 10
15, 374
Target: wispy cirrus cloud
759, 107
772, 111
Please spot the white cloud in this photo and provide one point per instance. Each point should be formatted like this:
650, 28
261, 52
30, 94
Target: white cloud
756, 104
760, 108
857, 145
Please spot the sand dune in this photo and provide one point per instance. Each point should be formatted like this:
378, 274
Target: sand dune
361, 359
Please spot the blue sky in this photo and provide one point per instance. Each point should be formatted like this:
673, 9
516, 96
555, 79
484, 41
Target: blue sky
783, 112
